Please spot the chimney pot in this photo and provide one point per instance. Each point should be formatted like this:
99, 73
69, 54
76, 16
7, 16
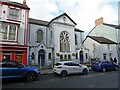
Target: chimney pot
24, 2
99, 21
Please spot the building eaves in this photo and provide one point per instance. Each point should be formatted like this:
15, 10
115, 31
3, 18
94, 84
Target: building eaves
78, 30
60, 16
16, 4
38, 22
102, 40
111, 25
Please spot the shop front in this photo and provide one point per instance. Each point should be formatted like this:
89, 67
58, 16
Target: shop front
17, 53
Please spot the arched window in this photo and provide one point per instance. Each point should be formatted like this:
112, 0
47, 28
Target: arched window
86, 56
39, 36
49, 56
61, 57
69, 56
64, 42
76, 55
33, 55
65, 57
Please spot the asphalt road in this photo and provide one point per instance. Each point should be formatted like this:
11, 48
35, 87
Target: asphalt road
91, 80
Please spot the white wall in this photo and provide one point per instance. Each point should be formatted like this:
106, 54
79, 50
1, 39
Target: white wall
105, 31
100, 49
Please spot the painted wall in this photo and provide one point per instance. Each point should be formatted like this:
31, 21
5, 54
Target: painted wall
105, 31
100, 49
4, 11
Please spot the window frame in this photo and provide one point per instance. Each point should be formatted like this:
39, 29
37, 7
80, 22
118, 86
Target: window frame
14, 15
8, 33
41, 35
64, 41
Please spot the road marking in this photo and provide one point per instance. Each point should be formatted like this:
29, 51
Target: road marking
87, 76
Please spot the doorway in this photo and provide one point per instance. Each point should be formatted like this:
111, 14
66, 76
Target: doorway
81, 56
41, 57
6, 57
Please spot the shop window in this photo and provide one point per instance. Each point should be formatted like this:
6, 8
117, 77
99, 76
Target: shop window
18, 58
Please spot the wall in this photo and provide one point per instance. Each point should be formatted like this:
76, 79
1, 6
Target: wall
105, 31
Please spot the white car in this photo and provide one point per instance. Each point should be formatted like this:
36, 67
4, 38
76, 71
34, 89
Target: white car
69, 67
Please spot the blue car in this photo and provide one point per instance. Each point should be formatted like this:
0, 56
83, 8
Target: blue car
103, 65
13, 69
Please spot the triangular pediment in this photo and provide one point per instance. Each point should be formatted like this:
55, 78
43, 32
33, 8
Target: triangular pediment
42, 45
63, 18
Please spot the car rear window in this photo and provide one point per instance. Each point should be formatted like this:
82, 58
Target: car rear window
57, 64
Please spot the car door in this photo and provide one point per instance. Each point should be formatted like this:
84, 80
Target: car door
76, 67
12, 69
69, 67
111, 66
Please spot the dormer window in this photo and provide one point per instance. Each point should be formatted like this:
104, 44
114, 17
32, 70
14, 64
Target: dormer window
14, 14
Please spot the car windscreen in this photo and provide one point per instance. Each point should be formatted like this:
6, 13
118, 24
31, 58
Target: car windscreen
57, 64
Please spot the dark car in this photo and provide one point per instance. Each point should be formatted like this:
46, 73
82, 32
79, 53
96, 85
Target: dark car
13, 69
104, 65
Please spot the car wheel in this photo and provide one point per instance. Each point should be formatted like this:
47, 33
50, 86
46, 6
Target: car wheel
31, 76
63, 73
85, 71
104, 69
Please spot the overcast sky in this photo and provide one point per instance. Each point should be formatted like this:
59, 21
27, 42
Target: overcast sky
83, 12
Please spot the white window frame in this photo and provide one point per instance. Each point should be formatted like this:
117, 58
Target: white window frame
64, 41
8, 32
14, 16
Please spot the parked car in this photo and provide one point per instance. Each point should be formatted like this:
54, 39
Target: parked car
104, 65
69, 67
13, 69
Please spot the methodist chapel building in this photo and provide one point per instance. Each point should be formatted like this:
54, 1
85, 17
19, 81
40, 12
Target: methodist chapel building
57, 40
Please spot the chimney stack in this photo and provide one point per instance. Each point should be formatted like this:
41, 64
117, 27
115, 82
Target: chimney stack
24, 2
99, 21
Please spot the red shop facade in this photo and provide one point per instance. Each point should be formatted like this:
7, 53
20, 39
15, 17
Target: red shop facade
14, 52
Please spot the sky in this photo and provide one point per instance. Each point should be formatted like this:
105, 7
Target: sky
83, 12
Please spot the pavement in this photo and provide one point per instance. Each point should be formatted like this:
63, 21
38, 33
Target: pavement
50, 71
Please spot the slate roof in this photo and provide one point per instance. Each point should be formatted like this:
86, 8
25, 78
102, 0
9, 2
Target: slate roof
102, 40
62, 15
78, 30
38, 22
11, 3
111, 25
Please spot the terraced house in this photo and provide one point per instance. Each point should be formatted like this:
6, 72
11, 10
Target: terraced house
13, 30
102, 41
57, 40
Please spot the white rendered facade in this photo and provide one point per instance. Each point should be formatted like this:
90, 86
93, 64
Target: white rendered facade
59, 40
